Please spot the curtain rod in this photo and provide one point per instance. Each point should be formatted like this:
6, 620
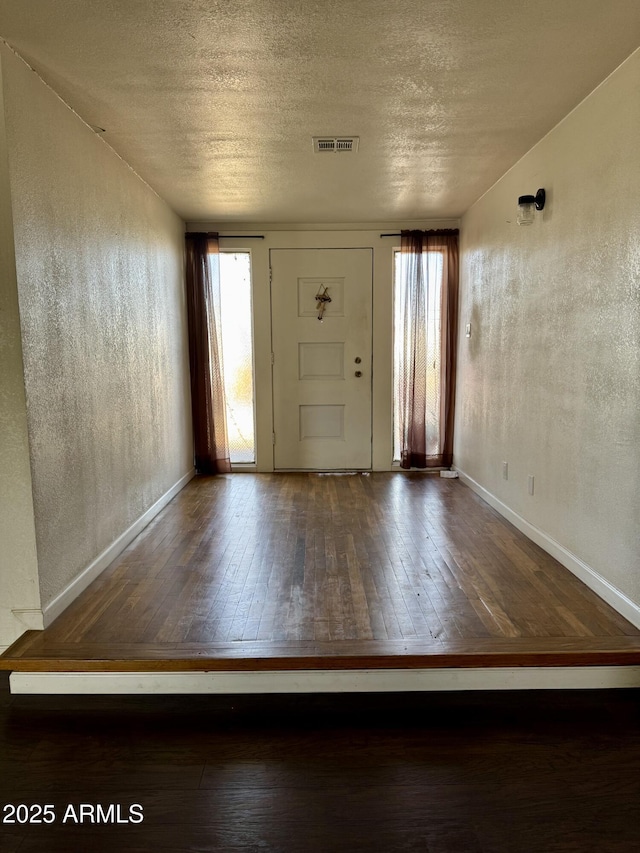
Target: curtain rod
225, 236
438, 232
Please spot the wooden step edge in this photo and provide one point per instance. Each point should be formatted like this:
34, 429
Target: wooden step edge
626, 657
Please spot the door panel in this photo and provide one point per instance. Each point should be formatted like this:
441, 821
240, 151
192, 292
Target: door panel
322, 408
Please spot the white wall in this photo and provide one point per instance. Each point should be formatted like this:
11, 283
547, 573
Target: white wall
99, 259
337, 236
549, 380
19, 591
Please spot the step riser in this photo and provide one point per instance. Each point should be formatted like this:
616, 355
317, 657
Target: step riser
328, 681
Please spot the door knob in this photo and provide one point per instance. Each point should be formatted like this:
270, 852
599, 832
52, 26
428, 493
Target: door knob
358, 373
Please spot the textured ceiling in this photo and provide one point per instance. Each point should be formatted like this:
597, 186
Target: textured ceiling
214, 103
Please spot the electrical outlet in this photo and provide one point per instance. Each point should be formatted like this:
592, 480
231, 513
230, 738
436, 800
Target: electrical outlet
505, 470
530, 484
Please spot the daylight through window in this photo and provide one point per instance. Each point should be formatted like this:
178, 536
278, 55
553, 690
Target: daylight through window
432, 275
237, 353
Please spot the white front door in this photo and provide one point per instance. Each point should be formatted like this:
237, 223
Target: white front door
321, 369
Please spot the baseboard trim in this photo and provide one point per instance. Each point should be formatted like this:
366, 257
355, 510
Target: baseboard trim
94, 569
607, 591
328, 681
30, 618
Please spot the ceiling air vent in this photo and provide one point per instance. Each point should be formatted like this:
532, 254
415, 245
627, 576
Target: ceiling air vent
335, 143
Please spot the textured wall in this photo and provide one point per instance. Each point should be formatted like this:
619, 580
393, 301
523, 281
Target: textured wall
18, 563
99, 260
550, 378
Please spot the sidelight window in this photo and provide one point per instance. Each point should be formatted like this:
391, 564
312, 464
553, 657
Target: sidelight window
237, 353
429, 372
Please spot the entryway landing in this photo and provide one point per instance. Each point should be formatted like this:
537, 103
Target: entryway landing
329, 583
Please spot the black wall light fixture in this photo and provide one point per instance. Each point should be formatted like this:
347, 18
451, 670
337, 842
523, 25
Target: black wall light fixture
527, 204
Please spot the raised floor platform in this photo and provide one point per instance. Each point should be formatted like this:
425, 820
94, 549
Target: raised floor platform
312, 583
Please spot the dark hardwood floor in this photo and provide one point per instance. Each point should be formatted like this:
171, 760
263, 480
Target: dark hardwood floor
285, 571
449, 773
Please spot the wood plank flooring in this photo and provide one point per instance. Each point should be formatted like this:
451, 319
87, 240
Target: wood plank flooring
286, 571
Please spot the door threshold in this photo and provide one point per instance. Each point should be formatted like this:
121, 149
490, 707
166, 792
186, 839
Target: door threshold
335, 471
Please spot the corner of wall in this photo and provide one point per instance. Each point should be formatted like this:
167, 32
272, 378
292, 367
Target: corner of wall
19, 587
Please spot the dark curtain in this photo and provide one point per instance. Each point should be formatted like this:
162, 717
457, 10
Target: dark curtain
428, 354
211, 447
